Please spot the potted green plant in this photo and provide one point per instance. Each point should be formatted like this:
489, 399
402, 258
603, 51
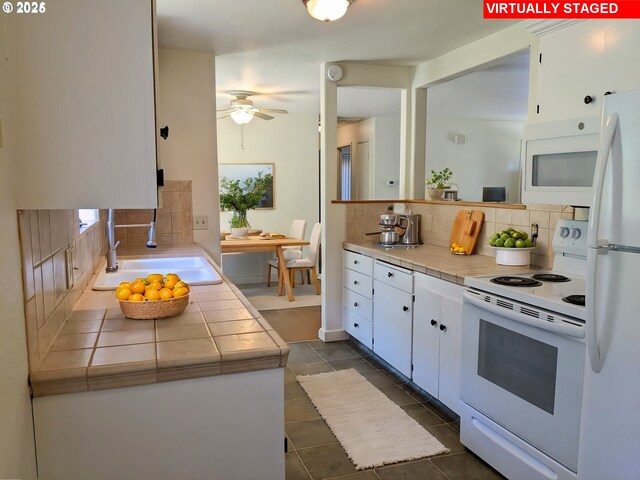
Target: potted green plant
240, 197
438, 182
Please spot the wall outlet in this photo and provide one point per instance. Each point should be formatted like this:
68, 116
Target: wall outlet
200, 222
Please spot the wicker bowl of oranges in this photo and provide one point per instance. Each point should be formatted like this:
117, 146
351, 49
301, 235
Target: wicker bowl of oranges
156, 296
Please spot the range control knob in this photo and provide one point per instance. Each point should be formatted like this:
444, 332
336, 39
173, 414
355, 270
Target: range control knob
564, 232
575, 233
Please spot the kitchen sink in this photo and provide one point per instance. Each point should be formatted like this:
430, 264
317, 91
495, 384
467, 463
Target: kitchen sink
195, 270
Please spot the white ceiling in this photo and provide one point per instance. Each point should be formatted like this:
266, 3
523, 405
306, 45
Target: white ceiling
274, 47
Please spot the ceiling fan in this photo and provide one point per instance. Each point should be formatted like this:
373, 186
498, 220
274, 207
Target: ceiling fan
242, 111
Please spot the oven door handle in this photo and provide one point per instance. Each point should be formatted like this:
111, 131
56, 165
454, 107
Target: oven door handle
563, 329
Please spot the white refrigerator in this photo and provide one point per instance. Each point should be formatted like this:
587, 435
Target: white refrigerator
610, 424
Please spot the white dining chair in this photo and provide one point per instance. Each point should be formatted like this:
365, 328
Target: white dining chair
298, 228
307, 263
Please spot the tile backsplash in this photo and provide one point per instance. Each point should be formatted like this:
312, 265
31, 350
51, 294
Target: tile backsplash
174, 220
58, 260
437, 222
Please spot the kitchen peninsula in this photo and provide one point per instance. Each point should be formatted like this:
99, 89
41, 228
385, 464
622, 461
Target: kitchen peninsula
188, 393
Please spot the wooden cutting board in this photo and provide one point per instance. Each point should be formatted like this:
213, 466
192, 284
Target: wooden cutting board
466, 229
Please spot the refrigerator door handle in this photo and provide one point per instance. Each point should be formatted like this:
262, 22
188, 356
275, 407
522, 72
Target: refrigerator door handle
591, 327
608, 131
598, 246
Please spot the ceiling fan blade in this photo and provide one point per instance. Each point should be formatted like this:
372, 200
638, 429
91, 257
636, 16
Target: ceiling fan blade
226, 110
263, 116
272, 110
223, 116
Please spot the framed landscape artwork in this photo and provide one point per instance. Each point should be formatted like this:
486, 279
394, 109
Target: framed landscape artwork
244, 171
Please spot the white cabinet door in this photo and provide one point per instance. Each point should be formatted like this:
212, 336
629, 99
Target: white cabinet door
437, 336
426, 339
392, 325
85, 105
450, 330
589, 58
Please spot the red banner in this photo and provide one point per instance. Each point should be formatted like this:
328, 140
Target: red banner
561, 9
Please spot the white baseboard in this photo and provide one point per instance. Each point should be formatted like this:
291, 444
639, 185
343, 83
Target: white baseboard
332, 335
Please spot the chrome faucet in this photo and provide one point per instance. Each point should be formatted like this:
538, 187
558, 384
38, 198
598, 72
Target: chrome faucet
112, 261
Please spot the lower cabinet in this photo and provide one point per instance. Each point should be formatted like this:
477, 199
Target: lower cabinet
392, 314
437, 334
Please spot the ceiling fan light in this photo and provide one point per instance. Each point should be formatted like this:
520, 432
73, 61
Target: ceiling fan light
241, 116
327, 10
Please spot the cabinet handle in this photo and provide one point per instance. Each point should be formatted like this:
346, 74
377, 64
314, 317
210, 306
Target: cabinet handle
355, 304
443, 328
355, 262
389, 274
356, 325
355, 282
405, 308
588, 99
433, 323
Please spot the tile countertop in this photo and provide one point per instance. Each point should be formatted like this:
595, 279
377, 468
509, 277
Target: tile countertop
98, 348
437, 261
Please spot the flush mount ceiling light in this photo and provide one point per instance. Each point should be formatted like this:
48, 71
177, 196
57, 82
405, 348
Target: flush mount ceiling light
327, 10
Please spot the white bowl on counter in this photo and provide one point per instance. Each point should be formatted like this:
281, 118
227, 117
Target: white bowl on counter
513, 256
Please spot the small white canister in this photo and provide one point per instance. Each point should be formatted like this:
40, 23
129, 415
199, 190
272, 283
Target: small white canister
512, 256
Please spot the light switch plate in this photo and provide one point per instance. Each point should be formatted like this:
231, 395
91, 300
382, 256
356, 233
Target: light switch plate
200, 222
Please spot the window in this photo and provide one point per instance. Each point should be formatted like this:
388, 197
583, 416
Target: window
87, 217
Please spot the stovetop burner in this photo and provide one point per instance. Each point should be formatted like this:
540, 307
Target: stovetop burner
516, 281
550, 277
574, 299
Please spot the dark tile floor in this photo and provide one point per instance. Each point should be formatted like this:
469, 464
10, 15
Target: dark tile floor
314, 452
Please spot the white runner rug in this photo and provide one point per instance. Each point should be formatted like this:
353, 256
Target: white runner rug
372, 429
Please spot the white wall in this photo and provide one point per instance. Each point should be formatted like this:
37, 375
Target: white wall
17, 452
187, 103
291, 143
387, 158
490, 158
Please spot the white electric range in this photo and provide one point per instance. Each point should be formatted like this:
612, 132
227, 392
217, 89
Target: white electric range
523, 364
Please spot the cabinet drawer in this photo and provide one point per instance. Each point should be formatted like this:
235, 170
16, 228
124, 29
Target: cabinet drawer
359, 263
397, 277
359, 328
357, 282
357, 303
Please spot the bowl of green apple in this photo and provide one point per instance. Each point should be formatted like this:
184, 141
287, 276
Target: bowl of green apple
512, 247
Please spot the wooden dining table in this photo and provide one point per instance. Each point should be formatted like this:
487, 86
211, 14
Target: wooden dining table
267, 244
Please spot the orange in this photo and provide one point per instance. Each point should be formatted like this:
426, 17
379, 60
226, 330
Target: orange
170, 282
165, 294
137, 287
173, 275
143, 280
152, 277
152, 294
180, 292
182, 284
136, 297
155, 285
124, 284
123, 293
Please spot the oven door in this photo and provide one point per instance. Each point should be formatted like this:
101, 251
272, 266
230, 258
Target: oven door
524, 378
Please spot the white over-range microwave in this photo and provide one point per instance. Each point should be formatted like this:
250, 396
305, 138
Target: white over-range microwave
559, 160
